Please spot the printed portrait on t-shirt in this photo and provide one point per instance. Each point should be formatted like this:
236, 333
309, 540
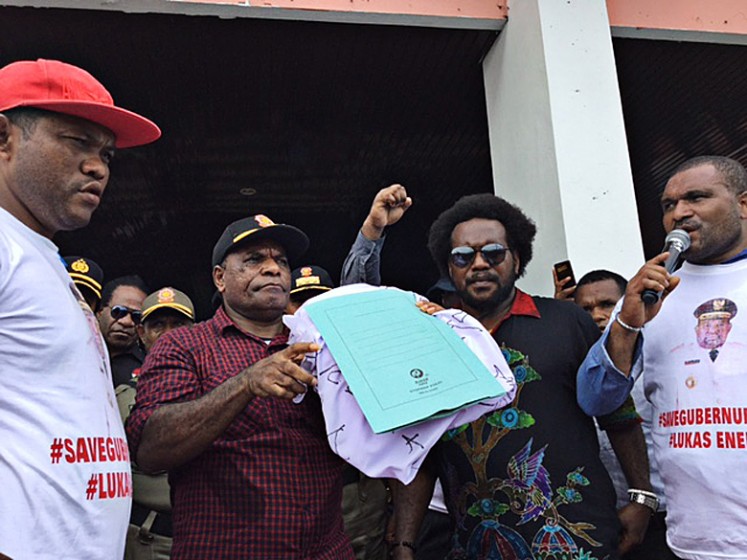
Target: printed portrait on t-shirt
711, 364
714, 324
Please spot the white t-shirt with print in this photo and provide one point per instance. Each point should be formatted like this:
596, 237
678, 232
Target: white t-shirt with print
64, 466
699, 425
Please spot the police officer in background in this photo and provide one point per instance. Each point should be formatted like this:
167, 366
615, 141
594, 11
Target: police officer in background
88, 277
149, 536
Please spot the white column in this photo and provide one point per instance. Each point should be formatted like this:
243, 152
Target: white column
557, 138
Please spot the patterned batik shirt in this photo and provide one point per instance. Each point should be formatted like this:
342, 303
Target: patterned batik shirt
526, 482
269, 487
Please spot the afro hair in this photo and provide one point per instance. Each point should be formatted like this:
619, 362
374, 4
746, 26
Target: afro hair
520, 230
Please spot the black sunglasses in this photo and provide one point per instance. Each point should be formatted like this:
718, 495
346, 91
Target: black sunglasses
493, 253
120, 312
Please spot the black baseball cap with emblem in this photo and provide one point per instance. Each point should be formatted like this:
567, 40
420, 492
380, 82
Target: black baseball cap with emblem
86, 274
310, 279
258, 227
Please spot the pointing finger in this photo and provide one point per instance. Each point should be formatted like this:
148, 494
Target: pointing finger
297, 351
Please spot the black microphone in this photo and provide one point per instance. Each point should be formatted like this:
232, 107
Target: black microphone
677, 242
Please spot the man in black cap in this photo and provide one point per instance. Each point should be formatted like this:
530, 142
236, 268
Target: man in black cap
252, 474
88, 277
306, 282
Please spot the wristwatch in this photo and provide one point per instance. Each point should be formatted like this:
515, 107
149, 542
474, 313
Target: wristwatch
645, 498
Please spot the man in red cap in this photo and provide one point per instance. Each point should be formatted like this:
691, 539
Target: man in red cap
64, 467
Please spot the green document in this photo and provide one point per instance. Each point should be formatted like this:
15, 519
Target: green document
402, 365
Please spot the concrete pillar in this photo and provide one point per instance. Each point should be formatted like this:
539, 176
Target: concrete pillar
557, 138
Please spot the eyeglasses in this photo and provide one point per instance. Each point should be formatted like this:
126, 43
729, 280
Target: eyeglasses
493, 253
120, 312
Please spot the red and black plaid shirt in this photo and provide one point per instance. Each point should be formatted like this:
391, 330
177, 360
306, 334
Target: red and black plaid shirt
269, 487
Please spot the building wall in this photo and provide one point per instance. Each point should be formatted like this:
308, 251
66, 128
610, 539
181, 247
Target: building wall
558, 140
557, 137
718, 21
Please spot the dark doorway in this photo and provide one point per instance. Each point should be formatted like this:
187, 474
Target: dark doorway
312, 118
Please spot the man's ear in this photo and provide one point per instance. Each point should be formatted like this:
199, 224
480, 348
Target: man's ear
218, 272
6, 136
517, 262
742, 201
140, 331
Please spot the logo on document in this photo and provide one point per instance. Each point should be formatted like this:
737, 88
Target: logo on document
416, 373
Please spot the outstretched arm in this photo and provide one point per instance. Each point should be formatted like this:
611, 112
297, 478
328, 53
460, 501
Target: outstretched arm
389, 205
178, 432
363, 263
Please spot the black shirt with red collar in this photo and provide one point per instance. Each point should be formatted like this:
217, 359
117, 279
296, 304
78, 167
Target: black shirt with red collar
526, 481
126, 366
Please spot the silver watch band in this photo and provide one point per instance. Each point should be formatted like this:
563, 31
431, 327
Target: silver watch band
644, 498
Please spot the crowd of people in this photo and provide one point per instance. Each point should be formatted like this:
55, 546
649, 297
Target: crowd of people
130, 430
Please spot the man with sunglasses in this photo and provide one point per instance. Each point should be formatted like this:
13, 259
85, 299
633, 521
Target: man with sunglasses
120, 312
525, 481
64, 466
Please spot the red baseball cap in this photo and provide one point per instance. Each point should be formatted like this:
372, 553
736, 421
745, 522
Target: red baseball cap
63, 88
